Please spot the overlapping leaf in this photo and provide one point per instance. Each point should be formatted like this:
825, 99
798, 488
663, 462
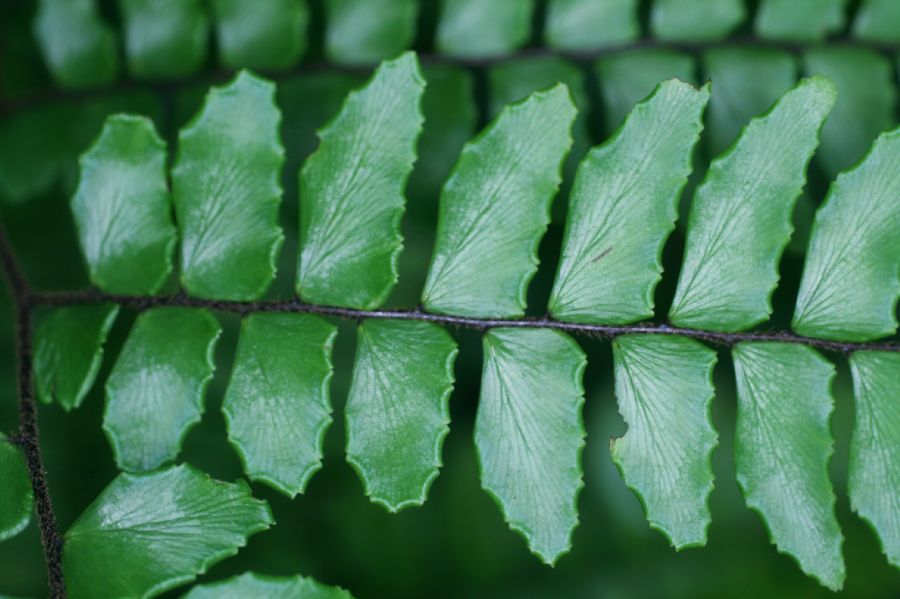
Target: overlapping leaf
16, 496
267, 587
159, 530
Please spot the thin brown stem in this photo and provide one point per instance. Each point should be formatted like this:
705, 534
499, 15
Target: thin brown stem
28, 437
69, 298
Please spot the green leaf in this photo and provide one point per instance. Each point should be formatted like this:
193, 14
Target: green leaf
159, 530
352, 190
748, 81
448, 106
164, 38
398, 409
251, 584
695, 20
529, 433
68, 349
878, 21
16, 496
368, 31
78, 47
277, 407
626, 78
31, 155
622, 208
154, 394
263, 34
590, 24
664, 386
122, 208
513, 80
799, 20
227, 193
850, 281
865, 106
874, 460
740, 219
782, 447
474, 28
496, 203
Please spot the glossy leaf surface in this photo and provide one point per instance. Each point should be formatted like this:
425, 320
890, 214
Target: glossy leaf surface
277, 406
590, 24
740, 218
695, 20
529, 433
255, 585
79, 48
867, 97
799, 20
164, 38
496, 203
352, 190
748, 81
850, 281
398, 408
473, 28
874, 460
622, 208
16, 496
783, 444
263, 34
367, 31
160, 529
122, 208
626, 78
227, 191
68, 348
664, 388
155, 391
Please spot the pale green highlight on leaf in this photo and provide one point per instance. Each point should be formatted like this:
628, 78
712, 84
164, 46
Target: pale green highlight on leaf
398, 409
16, 496
590, 24
626, 78
622, 208
695, 20
474, 28
277, 407
496, 204
257, 586
79, 48
227, 190
159, 530
878, 21
529, 433
262, 34
740, 220
664, 388
747, 82
122, 208
799, 20
68, 348
154, 394
851, 279
164, 38
351, 190
874, 483
782, 446
867, 98
367, 31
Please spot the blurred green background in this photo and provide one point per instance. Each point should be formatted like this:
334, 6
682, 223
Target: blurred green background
457, 545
